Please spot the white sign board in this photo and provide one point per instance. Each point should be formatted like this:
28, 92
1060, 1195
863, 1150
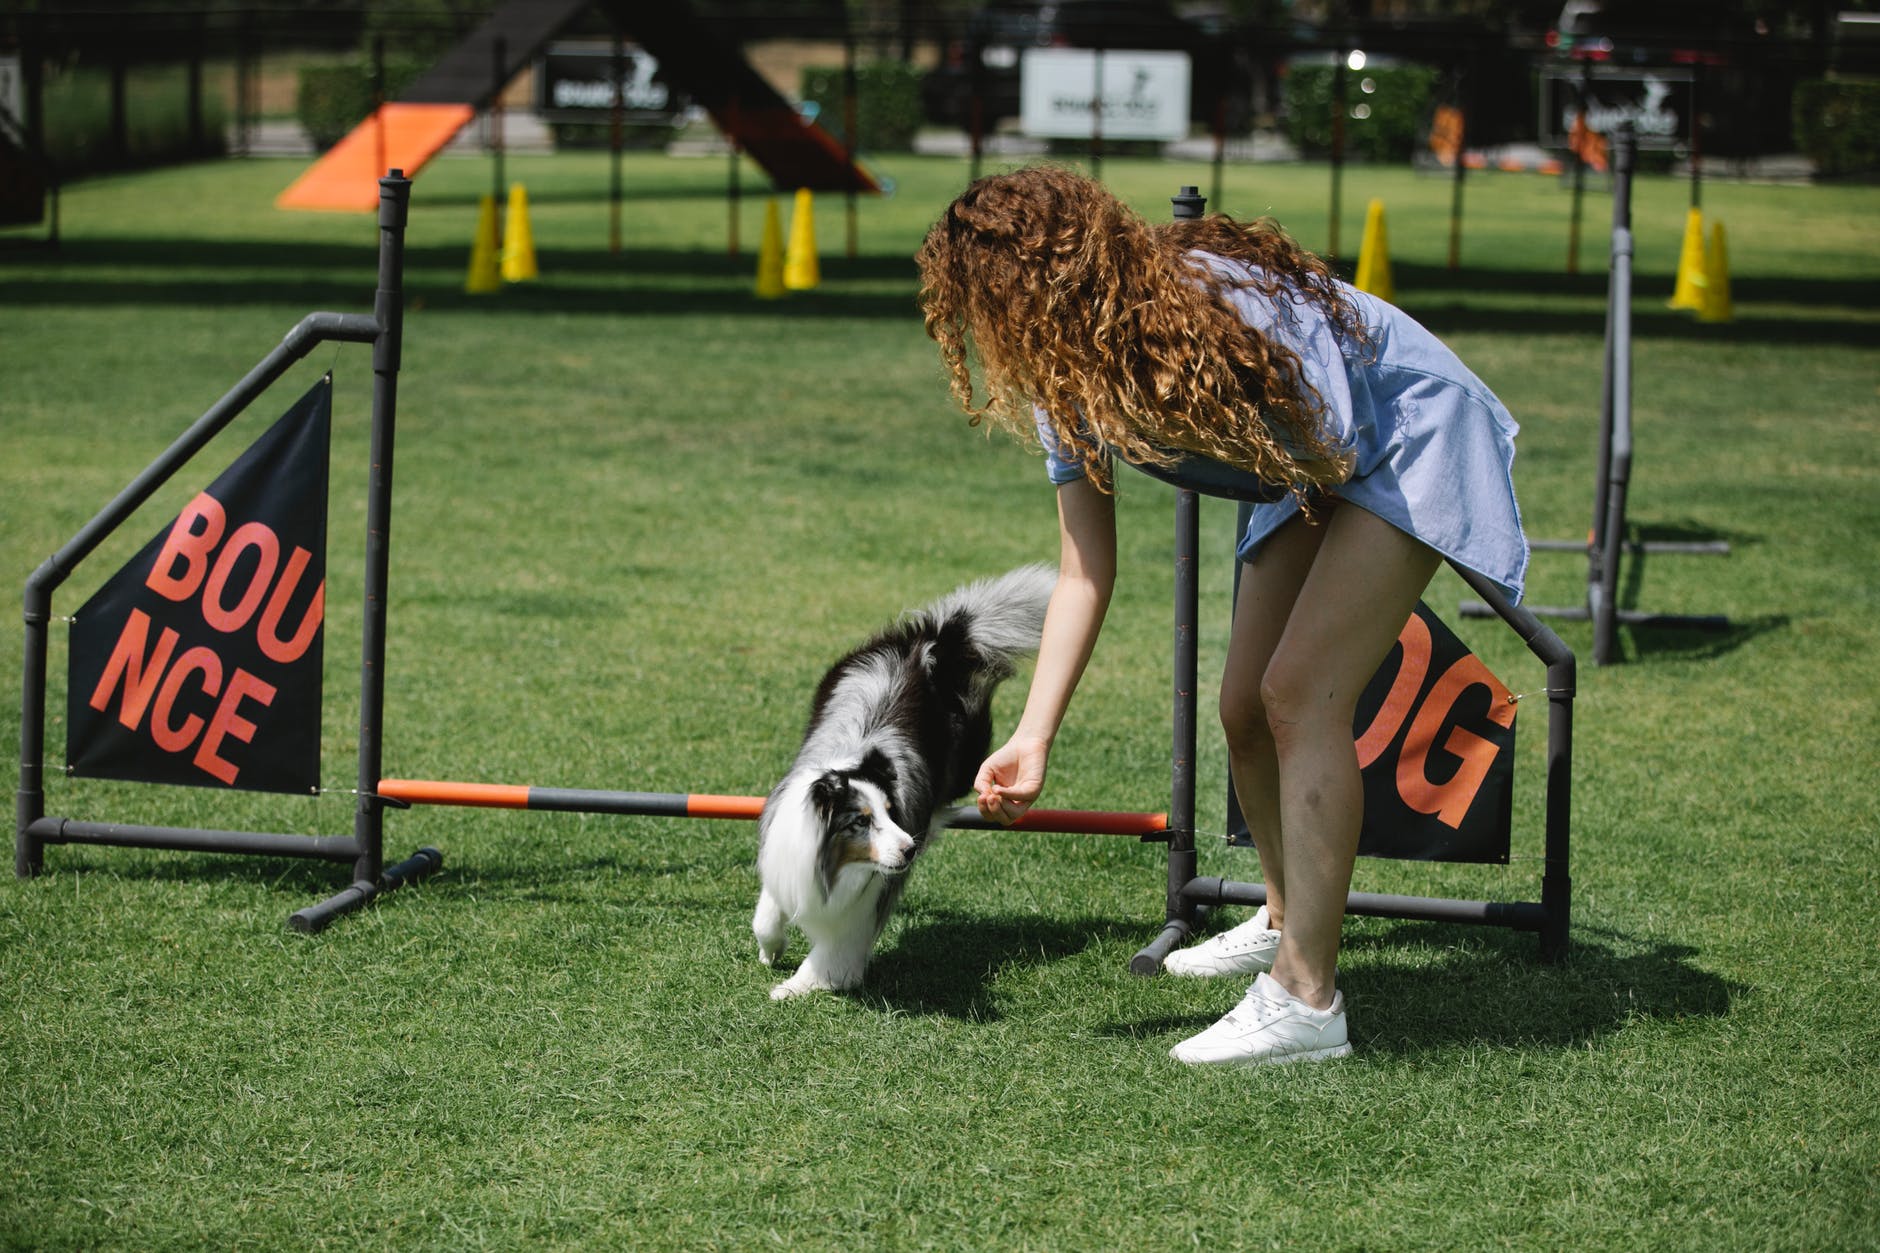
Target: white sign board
1144, 94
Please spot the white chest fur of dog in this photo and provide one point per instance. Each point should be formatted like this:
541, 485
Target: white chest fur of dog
897, 729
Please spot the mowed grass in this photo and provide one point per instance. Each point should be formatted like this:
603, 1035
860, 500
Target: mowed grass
638, 511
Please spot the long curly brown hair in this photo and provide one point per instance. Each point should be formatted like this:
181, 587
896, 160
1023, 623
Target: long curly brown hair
1074, 303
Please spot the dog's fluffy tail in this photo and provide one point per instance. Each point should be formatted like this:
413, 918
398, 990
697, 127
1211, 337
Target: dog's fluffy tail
1003, 616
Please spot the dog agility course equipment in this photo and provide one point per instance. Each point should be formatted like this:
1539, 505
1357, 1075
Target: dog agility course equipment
146, 679
383, 329
408, 132
1606, 544
202, 561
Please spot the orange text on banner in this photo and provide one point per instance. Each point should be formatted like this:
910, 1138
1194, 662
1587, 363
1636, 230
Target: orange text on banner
236, 579
1449, 800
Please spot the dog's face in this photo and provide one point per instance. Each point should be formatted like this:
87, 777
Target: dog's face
856, 816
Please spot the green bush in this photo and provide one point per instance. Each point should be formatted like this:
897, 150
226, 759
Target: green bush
1838, 125
1381, 123
887, 103
332, 99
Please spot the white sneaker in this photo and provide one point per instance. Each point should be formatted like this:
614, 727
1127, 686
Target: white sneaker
1245, 950
1269, 1025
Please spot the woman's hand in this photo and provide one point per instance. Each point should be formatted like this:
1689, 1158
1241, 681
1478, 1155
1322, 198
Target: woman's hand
1011, 779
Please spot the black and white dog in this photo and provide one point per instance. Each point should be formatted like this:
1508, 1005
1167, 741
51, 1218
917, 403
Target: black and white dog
897, 729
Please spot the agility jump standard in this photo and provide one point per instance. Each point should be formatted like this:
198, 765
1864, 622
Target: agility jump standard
384, 330
1606, 544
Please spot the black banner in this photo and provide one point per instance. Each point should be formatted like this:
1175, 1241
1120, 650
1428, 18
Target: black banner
199, 662
1435, 739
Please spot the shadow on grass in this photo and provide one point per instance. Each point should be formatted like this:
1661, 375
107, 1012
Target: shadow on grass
1693, 641
594, 280
945, 962
292, 877
1468, 985
1696, 643
153, 272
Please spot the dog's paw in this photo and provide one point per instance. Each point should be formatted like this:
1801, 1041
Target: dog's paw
796, 986
769, 953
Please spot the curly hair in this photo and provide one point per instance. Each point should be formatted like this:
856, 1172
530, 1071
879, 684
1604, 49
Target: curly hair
1073, 303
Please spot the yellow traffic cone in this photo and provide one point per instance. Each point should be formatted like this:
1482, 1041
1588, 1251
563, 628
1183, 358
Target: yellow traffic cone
1374, 255
518, 238
770, 255
1689, 292
484, 276
800, 269
1717, 306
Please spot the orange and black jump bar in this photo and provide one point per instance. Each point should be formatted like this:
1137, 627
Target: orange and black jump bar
1147, 826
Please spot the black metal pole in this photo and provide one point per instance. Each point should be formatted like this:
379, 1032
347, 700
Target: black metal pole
732, 189
1517, 915
498, 54
1602, 548
614, 142
370, 878
1187, 204
851, 132
1181, 859
1338, 149
387, 351
1220, 146
1456, 179
378, 106
1579, 171
1603, 590
1562, 686
195, 839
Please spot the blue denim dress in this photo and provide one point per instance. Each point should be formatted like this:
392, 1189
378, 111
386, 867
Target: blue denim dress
1433, 448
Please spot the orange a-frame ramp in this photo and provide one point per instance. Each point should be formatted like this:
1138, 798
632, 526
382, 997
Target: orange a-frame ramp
397, 137
406, 134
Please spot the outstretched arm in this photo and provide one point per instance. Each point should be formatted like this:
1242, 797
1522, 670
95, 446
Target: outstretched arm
1013, 776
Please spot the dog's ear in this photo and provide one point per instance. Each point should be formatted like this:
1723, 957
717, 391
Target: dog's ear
878, 768
830, 792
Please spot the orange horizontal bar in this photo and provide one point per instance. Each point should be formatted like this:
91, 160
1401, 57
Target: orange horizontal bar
432, 792
1092, 821
703, 805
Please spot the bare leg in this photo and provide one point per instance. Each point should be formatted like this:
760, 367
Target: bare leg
1268, 587
1362, 585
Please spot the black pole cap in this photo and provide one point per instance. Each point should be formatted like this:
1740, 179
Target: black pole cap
1189, 203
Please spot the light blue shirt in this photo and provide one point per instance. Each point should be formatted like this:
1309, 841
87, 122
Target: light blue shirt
1433, 448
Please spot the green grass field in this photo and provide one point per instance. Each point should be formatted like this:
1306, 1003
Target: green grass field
638, 511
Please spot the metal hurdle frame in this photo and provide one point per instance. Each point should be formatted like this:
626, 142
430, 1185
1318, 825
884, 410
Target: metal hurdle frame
364, 848
371, 878
1189, 892
1606, 544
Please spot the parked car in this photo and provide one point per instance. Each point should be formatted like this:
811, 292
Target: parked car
984, 60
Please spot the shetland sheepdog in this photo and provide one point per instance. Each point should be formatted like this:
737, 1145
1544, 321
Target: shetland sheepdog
896, 730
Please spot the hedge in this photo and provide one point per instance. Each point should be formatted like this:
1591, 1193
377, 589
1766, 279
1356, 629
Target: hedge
1381, 124
1837, 124
887, 103
334, 98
